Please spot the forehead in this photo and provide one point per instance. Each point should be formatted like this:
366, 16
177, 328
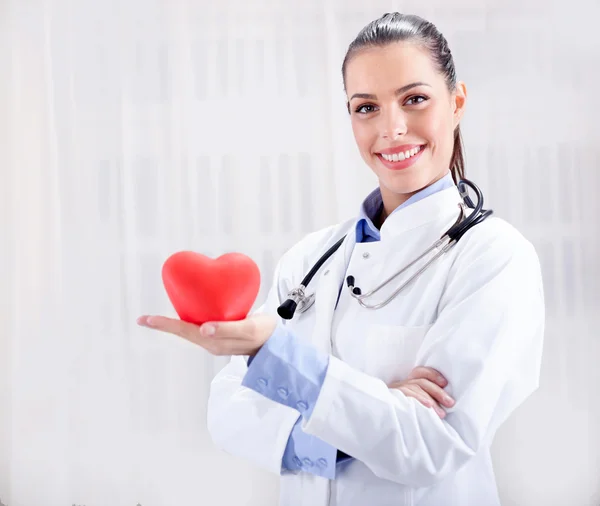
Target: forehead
384, 69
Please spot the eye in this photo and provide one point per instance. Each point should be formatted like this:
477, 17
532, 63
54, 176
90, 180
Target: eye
361, 109
416, 97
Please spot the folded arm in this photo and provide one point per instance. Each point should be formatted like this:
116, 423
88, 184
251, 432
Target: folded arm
487, 342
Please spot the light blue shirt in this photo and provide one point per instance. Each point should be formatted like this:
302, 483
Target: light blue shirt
291, 372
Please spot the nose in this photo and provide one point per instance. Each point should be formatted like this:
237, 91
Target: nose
393, 124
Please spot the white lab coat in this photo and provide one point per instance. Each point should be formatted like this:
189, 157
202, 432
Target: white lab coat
476, 315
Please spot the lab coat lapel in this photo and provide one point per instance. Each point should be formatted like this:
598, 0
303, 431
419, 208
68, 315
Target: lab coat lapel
331, 278
333, 272
429, 209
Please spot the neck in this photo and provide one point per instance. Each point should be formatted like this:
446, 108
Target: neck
381, 217
392, 200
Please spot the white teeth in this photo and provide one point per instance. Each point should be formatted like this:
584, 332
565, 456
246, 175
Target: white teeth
398, 157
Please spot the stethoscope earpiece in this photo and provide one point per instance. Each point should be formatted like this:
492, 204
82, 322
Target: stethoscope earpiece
354, 289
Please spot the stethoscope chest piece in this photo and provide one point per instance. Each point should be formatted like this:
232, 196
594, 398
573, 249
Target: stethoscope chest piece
306, 303
297, 301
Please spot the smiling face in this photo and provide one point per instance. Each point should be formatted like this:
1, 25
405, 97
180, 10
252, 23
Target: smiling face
403, 117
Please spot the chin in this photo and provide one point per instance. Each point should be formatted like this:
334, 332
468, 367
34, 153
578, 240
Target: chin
408, 185
405, 183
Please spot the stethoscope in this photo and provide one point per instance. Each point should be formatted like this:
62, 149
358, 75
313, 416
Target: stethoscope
298, 300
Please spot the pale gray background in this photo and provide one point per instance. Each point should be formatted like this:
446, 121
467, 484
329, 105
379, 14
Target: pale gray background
133, 129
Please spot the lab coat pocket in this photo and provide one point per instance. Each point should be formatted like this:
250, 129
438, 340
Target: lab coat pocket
391, 350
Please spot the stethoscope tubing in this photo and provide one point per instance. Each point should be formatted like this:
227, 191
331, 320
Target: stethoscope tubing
447, 241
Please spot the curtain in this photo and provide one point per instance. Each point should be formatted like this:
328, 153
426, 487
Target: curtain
132, 130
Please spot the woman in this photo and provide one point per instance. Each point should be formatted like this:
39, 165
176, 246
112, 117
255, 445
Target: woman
331, 399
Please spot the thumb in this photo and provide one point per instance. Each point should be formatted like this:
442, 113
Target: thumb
225, 329
257, 326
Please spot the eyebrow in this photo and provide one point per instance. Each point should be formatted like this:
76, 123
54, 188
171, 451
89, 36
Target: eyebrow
399, 91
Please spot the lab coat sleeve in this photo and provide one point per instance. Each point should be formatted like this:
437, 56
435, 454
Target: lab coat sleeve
291, 372
310, 454
269, 374
487, 341
244, 423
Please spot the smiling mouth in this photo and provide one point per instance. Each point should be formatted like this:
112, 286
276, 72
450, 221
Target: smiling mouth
402, 155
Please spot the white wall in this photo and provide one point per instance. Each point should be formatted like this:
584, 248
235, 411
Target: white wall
130, 130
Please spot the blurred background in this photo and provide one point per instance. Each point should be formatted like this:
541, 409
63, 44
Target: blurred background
133, 129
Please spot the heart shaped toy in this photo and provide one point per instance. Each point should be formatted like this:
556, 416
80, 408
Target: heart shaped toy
203, 289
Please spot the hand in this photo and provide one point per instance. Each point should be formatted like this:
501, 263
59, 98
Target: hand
426, 385
243, 337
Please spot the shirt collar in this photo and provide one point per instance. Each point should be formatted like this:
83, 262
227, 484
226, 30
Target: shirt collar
372, 205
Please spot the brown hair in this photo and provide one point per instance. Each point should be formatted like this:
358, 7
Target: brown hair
396, 27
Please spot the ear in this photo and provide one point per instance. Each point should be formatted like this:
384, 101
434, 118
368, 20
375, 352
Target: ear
459, 102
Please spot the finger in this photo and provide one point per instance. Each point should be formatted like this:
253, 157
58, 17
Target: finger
429, 401
428, 373
416, 392
440, 412
437, 393
218, 338
170, 325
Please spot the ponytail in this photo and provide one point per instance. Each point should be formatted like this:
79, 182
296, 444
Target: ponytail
457, 162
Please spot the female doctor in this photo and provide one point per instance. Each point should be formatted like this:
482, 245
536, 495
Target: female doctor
399, 405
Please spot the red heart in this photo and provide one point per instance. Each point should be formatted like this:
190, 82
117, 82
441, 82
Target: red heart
203, 289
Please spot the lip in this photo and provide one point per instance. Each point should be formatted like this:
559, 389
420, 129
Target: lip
398, 149
402, 164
